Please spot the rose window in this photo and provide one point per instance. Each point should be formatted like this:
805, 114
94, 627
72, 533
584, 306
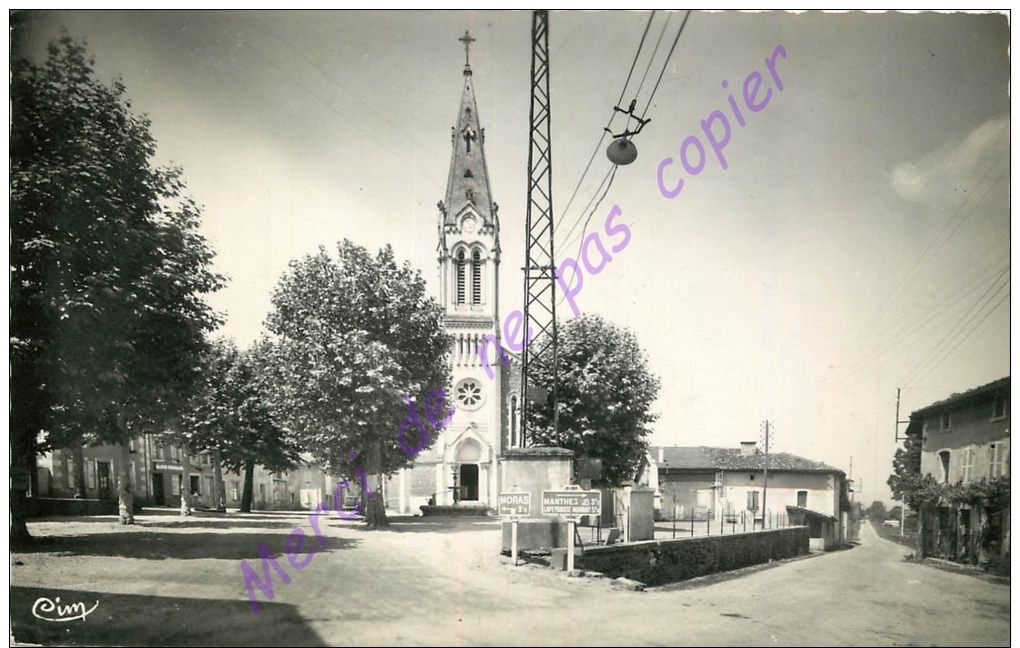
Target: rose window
469, 394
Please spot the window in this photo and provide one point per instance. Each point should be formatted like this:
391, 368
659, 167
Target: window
175, 485
752, 500
947, 422
996, 454
944, 460
235, 491
514, 441
469, 394
70, 472
999, 407
90, 474
476, 277
205, 459
967, 464
802, 499
159, 451
459, 263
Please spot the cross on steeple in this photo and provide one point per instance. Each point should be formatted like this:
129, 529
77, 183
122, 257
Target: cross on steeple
467, 40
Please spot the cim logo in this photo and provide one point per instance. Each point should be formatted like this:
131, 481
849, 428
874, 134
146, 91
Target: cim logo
53, 611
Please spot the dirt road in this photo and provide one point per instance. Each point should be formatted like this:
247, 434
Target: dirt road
174, 582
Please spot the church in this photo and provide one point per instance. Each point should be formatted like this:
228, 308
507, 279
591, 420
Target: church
463, 468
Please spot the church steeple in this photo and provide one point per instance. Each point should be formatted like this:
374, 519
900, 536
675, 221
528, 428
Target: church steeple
467, 188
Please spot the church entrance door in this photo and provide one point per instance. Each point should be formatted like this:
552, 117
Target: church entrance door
469, 482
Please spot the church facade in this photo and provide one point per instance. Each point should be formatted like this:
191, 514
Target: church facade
462, 468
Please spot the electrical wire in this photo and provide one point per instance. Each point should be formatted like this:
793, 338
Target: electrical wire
598, 147
970, 339
651, 60
611, 176
959, 327
666, 63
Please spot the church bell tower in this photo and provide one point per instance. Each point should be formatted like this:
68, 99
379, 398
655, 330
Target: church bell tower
469, 287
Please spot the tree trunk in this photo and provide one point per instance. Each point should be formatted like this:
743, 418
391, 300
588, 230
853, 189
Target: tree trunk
20, 538
373, 505
33, 476
249, 485
78, 455
1004, 538
125, 492
375, 512
185, 480
220, 494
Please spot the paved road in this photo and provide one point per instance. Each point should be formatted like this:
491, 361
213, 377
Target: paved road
432, 584
862, 597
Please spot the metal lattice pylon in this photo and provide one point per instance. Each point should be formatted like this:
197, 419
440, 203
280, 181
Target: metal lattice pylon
539, 265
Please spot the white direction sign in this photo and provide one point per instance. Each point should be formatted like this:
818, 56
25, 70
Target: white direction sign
515, 504
571, 504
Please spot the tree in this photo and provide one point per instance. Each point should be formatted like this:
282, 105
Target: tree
353, 337
107, 270
233, 415
877, 510
605, 395
906, 476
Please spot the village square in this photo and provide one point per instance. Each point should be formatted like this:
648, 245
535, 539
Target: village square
745, 381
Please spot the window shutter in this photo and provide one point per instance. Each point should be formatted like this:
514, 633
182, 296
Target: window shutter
476, 278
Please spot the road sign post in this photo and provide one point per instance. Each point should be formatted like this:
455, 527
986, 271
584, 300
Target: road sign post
513, 506
571, 505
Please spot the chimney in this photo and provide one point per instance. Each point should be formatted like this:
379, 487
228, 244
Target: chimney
661, 455
748, 448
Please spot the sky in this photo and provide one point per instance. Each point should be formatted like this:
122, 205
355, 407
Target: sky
857, 241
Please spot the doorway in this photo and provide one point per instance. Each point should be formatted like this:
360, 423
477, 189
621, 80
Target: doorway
158, 495
103, 473
469, 482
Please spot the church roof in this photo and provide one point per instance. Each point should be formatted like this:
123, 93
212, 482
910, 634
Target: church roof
468, 184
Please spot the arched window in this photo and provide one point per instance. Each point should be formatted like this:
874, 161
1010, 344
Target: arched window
459, 263
476, 278
514, 440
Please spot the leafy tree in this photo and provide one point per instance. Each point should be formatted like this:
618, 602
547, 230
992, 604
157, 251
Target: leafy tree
353, 337
605, 395
233, 414
877, 510
107, 270
906, 475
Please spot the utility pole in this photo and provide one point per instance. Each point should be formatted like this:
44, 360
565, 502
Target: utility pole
903, 504
765, 488
540, 259
850, 479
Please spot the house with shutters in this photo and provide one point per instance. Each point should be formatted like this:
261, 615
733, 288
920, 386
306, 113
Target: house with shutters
725, 484
964, 443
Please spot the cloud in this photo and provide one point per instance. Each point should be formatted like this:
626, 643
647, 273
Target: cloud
954, 166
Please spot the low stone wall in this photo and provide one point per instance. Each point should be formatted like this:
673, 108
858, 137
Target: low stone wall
52, 506
658, 562
454, 511
536, 535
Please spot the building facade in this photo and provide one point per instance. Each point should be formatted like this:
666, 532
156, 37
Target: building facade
157, 474
965, 443
462, 468
965, 438
727, 483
